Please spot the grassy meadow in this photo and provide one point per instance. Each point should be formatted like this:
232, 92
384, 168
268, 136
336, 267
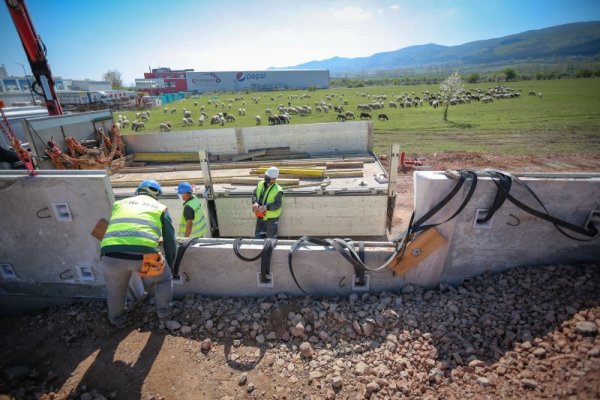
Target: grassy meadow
566, 118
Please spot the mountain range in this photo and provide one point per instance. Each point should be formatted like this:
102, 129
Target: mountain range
557, 42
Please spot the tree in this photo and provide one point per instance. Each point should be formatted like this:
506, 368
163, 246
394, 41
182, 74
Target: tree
473, 77
114, 77
510, 74
449, 89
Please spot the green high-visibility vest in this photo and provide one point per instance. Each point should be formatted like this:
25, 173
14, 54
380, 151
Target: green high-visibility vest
270, 198
135, 221
199, 225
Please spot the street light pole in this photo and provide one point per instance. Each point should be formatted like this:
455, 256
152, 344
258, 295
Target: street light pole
28, 82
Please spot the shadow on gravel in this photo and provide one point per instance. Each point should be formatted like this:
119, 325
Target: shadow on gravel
114, 376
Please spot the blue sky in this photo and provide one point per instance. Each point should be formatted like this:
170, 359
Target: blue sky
86, 38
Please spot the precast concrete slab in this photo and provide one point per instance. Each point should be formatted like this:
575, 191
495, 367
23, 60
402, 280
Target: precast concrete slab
46, 246
314, 139
512, 237
211, 268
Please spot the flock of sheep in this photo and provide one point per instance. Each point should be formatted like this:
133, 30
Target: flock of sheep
336, 103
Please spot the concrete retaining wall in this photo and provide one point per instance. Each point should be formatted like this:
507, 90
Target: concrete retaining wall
326, 138
513, 237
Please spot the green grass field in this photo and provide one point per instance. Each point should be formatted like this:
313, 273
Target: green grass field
566, 119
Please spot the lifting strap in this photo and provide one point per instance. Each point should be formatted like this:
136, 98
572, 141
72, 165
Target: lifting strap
180, 252
346, 247
505, 183
265, 256
497, 176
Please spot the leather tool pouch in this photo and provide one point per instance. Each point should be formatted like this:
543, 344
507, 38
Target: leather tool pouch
153, 264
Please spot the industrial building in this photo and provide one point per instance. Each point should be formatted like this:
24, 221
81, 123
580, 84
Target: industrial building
164, 80
18, 91
232, 81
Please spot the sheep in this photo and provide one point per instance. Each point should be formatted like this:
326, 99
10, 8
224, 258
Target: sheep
165, 127
173, 110
201, 120
165, 110
217, 119
349, 115
187, 114
341, 117
136, 126
284, 118
274, 120
258, 120
364, 115
144, 118
125, 122
229, 118
382, 117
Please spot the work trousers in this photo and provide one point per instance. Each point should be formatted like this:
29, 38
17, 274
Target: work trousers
266, 228
117, 275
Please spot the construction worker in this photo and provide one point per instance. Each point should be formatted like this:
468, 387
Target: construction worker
192, 222
266, 205
130, 246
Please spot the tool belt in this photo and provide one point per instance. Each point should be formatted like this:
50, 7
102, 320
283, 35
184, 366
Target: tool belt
153, 264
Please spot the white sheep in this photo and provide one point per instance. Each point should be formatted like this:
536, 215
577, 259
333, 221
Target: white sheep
258, 120
165, 127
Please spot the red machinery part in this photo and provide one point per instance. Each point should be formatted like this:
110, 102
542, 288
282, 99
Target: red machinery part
22, 153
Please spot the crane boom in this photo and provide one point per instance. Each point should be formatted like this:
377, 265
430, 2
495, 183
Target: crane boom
36, 54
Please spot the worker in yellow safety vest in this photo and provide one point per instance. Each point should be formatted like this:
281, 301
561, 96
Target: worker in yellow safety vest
267, 201
131, 245
193, 223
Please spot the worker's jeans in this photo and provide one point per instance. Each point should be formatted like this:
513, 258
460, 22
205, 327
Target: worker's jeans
117, 273
266, 228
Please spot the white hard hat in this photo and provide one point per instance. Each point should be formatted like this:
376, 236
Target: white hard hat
273, 172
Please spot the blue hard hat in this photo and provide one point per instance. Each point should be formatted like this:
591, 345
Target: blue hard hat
150, 185
185, 187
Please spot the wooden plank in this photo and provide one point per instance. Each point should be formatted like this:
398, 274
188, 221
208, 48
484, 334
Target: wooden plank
279, 157
417, 250
344, 164
313, 171
250, 180
167, 157
241, 180
249, 155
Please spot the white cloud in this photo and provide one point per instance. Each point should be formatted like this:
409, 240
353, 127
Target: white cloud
351, 14
395, 7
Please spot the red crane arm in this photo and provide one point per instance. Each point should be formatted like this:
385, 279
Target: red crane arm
36, 53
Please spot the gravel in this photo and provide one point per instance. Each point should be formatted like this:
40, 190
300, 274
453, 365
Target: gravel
523, 333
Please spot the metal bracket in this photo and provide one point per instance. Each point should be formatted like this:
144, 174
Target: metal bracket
265, 281
361, 284
481, 213
593, 219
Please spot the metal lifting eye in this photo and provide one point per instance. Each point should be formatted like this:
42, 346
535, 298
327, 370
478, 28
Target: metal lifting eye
416, 252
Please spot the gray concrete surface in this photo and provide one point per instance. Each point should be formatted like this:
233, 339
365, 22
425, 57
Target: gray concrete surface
325, 138
513, 237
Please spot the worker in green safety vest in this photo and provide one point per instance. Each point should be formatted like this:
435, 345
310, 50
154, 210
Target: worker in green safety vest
133, 234
192, 224
267, 200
